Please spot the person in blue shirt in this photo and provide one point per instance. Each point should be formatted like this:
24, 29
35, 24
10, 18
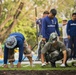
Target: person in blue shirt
71, 32
49, 25
39, 22
13, 41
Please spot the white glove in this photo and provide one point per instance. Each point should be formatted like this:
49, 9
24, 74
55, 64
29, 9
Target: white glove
62, 65
43, 64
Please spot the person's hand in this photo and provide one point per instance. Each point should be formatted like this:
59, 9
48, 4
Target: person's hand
19, 65
60, 38
5, 66
43, 39
68, 37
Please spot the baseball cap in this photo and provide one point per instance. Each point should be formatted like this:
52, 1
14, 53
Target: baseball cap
53, 37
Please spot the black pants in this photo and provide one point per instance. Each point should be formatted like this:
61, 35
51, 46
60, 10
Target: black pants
49, 59
41, 45
72, 46
59, 57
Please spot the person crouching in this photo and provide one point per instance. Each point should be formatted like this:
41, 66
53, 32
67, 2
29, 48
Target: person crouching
56, 50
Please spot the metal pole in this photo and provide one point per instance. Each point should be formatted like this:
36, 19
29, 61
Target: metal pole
75, 6
36, 25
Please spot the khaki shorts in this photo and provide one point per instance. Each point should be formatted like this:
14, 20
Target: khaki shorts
11, 53
27, 50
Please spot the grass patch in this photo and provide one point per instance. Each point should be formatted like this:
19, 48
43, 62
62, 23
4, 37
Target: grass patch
38, 67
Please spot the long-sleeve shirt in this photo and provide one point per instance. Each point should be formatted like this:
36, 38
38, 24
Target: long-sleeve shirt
48, 26
71, 28
39, 22
20, 42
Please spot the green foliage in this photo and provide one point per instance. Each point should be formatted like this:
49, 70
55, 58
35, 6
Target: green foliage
26, 20
24, 24
25, 27
38, 67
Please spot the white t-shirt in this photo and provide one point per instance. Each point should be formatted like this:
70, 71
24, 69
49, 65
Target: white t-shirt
64, 31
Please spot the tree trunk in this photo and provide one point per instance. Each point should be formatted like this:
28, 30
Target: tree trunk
6, 32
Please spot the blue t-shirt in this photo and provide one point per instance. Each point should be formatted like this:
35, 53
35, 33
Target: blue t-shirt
71, 28
48, 26
20, 42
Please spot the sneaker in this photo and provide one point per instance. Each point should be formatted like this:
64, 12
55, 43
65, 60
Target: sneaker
74, 58
62, 65
43, 64
69, 59
73, 64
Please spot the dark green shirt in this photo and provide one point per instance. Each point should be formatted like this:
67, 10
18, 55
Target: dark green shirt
50, 48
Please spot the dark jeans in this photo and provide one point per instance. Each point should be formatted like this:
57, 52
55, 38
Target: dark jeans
66, 42
59, 57
72, 46
53, 60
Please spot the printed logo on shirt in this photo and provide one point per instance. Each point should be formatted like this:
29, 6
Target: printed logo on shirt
73, 24
53, 22
39, 22
50, 25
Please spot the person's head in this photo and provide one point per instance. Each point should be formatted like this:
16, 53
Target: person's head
53, 38
52, 13
74, 16
64, 21
11, 42
45, 13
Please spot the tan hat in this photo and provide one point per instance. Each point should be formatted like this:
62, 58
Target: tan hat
64, 18
11, 42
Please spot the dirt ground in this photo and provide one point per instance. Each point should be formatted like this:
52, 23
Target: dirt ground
20, 72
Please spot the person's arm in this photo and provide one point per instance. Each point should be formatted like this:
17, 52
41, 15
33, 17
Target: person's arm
64, 56
64, 52
43, 51
57, 28
43, 29
68, 29
30, 60
5, 57
42, 58
21, 49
